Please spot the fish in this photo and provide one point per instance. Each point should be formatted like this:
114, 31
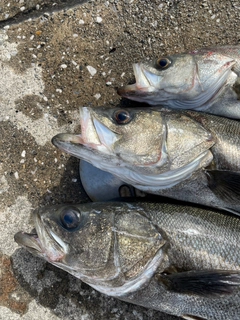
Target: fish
202, 80
178, 259
185, 155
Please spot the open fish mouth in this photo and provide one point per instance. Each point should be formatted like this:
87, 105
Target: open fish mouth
30, 241
42, 242
94, 134
145, 82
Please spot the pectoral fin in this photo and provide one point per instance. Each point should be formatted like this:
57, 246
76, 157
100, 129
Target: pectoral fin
225, 184
205, 283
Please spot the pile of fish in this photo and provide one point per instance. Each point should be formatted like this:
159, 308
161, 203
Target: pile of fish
177, 258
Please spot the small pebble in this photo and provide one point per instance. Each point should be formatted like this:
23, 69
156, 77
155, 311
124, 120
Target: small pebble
97, 95
16, 175
74, 63
91, 70
98, 19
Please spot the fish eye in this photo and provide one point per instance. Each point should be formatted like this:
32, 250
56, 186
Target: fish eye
163, 63
122, 116
70, 218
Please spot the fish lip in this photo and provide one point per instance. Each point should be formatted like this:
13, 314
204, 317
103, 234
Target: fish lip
29, 240
142, 85
38, 242
66, 137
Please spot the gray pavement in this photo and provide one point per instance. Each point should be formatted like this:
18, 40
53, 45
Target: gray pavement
55, 57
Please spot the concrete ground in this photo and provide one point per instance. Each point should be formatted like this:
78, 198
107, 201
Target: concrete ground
55, 57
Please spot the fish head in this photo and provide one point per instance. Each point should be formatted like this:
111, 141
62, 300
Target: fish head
132, 136
160, 79
174, 80
142, 146
107, 246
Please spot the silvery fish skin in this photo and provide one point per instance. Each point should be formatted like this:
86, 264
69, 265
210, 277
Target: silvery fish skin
178, 259
203, 80
185, 155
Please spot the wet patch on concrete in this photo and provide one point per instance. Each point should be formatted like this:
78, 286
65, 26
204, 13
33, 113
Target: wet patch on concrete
31, 106
12, 294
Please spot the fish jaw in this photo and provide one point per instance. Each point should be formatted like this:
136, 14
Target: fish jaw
72, 144
44, 243
145, 86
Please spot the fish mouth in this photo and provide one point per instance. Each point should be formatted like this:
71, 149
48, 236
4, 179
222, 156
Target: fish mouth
94, 135
43, 242
95, 144
30, 241
145, 83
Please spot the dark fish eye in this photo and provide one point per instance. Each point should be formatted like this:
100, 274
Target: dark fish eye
122, 116
70, 218
163, 63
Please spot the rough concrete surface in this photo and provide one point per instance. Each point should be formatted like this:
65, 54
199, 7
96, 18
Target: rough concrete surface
54, 57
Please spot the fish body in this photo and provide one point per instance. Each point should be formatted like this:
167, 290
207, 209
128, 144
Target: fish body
178, 259
185, 155
203, 80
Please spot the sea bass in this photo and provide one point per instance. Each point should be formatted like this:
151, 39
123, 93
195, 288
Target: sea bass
203, 80
181, 260
185, 155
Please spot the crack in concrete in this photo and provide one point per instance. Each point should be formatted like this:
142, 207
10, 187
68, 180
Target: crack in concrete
33, 13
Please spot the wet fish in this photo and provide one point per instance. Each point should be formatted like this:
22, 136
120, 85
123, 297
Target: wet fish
188, 156
180, 260
203, 80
